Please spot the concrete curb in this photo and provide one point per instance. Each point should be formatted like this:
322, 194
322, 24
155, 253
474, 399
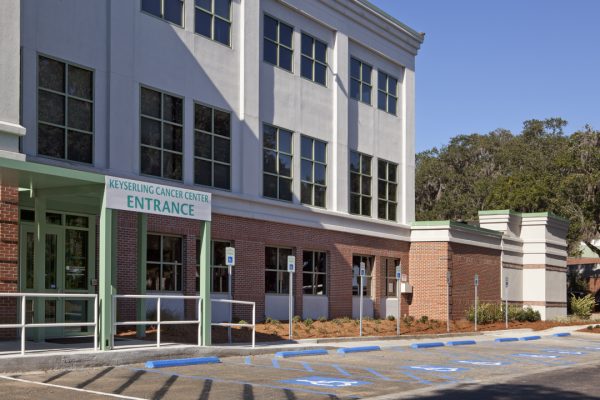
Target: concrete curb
403, 337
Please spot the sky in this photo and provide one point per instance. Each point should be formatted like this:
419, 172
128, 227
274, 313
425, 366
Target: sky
488, 64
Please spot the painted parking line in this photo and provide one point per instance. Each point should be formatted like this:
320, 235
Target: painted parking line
53, 385
237, 382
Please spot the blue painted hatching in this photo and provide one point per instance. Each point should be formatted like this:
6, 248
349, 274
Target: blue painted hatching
346, 350
562, 334
506, 339
426, 345
525, 338
460, 342
182, 362
299, 353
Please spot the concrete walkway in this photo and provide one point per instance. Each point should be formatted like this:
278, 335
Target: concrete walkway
48, 356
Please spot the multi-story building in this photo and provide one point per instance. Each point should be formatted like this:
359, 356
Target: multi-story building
293, 120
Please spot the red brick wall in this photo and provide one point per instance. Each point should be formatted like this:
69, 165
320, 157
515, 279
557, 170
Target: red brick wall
126, 263
466, 261
9, 255
428, 266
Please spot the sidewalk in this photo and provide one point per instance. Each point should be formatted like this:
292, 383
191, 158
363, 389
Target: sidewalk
50, 356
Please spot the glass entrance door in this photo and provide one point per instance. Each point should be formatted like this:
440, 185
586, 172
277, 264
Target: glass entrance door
67, 267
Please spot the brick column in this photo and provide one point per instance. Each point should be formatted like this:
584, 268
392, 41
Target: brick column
9, 255
249, 284
340, 283
379, 288
189, 279
126, 264
298, 295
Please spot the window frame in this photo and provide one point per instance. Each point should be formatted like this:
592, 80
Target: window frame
390, 274
313, 163
162, 13
361, 175
387, 93
361, 81
277, 154
278, 43
214, 16
279, 272
66, 96
213, 265
212, 138
367, 290
179, 272
314, 273
313, 60
162, 122
387, 184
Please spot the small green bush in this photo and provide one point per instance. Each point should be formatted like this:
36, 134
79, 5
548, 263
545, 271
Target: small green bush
322, 319
489, 313
590, 327
308, 322
424, 319
242, 322
391, 318
296, 318
583, 307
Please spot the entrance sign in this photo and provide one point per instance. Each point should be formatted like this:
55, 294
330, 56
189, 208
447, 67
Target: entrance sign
151, 198
229, 256
363, 270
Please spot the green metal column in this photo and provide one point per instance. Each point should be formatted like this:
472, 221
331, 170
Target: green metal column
142, 237
205, 257
39, 265
107, 273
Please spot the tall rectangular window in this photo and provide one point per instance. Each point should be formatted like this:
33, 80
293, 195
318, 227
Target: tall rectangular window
313, 169
213, 20
360, 184
276, 275
218, 269
360, 81
161, 132
387, 93
277, 163
390, 265
313, 63
278, 48
65, 111
314, 272
169, 10
366, 286
387, 188
164, 262
212, 147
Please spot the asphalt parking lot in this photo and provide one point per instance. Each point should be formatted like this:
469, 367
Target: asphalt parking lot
397, 371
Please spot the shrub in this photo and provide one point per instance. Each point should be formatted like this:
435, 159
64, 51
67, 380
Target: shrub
424, 319
487, 313
583, 307
242, 322
322, 319
408, 320
391, 318
296, 318
590, 327
308, 322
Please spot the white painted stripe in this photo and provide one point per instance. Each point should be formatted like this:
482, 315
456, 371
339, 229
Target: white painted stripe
118, 396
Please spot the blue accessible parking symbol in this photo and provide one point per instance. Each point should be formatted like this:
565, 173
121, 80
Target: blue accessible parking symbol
326, 381
483, 363
437, 368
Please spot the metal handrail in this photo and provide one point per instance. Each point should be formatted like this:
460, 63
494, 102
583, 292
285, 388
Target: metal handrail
230, 324
158, 321
24, 325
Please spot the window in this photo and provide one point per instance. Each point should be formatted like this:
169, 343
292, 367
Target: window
213, 20
278, 49
387, 186
276, 275
163, 257
387, 93
314, 171
314, 60
360, 81
356, 260
360, 184
65, 111
277, 163
169, 10
219, 271
390, 265
212, 147
314, 272
161, 131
